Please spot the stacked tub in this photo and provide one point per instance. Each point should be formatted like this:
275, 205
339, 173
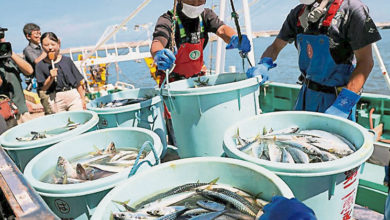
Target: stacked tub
146, 114
200, 115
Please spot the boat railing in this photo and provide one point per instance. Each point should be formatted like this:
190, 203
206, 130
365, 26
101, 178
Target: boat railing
19, 199
123, 85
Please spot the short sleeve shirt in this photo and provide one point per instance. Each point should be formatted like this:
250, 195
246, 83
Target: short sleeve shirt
162, 30
32, 52
68, 75
351, 29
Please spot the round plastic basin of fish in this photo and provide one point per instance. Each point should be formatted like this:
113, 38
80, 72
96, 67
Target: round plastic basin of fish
201, 115
22, 152
146, 114
150, 93
81, 198
326, 186
240, 174
87, 120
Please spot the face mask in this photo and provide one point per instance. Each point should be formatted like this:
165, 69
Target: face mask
307, 2
192, 11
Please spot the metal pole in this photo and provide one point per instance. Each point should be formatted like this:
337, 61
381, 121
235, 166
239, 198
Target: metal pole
220, 56
248, 27
381, 64
116, 29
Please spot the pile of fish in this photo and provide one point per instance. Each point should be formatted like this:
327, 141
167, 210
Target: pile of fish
292, 145
121, 102
93, 166
195, 201
35, 135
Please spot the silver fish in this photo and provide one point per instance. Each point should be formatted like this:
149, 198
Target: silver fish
124, 155
108, 168
167, 201
289, 130
249, 145
176, 190
258, 150
174, 215
91, 159
110, 149
328, 142
65, 168
210, 205
208, 216
350, 145
298, 155
286, 156
237, 204
129, 215
161, 211
275, 154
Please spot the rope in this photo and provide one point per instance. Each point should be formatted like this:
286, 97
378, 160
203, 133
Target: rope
173, 42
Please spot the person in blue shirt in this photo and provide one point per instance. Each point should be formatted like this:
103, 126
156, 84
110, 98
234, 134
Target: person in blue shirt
333, 39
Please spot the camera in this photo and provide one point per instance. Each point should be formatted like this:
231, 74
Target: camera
5, 47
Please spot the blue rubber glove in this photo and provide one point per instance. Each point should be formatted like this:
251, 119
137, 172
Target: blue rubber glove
344, 103
245, 45
262, 69
281, 208
164, 59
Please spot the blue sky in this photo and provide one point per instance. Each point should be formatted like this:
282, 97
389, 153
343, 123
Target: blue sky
82, 22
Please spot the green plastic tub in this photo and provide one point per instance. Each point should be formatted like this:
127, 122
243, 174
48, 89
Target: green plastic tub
329, 188
240, 174
200, 116
78, 201
146, 114
21, 152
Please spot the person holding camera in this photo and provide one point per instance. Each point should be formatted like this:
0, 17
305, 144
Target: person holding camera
33, 54
11, 65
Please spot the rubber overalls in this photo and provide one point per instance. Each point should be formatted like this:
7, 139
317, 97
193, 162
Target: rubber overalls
318, 66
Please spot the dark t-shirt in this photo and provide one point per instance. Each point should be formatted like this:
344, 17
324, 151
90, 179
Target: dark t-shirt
68, 75
351, 29
12, 86
162, 31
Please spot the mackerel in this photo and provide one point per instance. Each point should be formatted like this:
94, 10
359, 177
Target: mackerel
298, 155
350, 145
237, 204
286, 156
176, 190
258, 150
289, 130
275, 154
174, 215
208, 216
237, 197
108, 168
129, 216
